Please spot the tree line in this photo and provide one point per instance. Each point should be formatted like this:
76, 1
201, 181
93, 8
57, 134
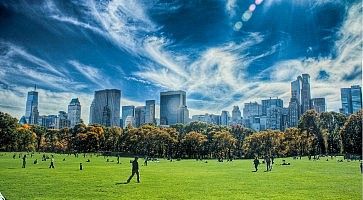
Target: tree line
327, 133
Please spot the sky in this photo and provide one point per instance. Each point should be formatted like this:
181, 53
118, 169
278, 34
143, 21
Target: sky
221, 52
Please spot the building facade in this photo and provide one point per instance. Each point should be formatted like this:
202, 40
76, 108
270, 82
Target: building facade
150, 112
351, 99
236, 116
225, 118
31, 109
140, 114
173, 108
318, 104
305, 94
128, 111
105, 108
74, 112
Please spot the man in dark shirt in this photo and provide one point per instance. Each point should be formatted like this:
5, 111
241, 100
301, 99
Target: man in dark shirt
24, 161
256, 162
268, 163
135, 170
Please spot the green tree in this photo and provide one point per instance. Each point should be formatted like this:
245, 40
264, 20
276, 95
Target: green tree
352, 134
8, 134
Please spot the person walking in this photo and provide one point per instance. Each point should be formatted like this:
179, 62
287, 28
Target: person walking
51, 163
256, 162
24, 161
135, 170
268, 163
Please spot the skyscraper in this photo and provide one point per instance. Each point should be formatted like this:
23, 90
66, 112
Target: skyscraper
173, 108
31, 110
140, 115
150, 112
356, 92
305, 94
74, 112
128, 112
274, 113
224, 118
351, 99
62, 120
318, 104
251, 114
236, 115
105, 108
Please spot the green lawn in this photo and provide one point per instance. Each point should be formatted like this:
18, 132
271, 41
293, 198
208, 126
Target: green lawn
186, 179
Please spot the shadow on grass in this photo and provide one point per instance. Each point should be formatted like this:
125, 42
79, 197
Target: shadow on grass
122, 183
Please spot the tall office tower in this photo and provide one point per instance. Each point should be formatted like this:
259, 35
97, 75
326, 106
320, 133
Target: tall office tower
74, 112
251, 114
173, 108
140, 112
31, 110
356, 92
268, 102
62, 120
351, 99
128, 111
224, 118
274, 111
236, 116
305, 94
252, 109
294, 110
150, 112
105, 108
318, 104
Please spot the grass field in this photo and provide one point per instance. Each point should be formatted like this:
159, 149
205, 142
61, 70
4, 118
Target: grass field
186, 179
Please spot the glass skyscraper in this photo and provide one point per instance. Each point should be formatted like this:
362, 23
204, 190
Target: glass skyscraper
305, 93
74, 112
105, 108
150, 112
318, 104
31, 110
140, 115
173, 108
351, 99
128, 112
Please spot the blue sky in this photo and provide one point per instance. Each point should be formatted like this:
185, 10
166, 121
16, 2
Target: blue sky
72, 48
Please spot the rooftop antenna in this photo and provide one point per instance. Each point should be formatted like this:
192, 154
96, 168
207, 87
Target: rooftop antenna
35, 87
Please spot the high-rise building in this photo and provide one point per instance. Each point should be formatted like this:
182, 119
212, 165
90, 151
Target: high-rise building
31, 110
305, 94
251, 114
293, 112
236, 116
173, 108
225, 118
274, 112
318, 104
150, 112
140, 112
105, 108
351, 99
74, 112
128, 111
62, 120
356, 92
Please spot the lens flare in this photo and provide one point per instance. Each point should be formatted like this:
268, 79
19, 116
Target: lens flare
238, 26
258, 2
252, 7
246, 16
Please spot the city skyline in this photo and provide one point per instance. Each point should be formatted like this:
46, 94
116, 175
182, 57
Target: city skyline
170, 47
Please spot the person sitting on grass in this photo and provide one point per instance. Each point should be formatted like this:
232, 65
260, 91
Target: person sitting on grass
135, 170
284, 163
35, 161
256, 162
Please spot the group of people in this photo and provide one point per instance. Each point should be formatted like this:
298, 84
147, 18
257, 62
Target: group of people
36, 160
268, 160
